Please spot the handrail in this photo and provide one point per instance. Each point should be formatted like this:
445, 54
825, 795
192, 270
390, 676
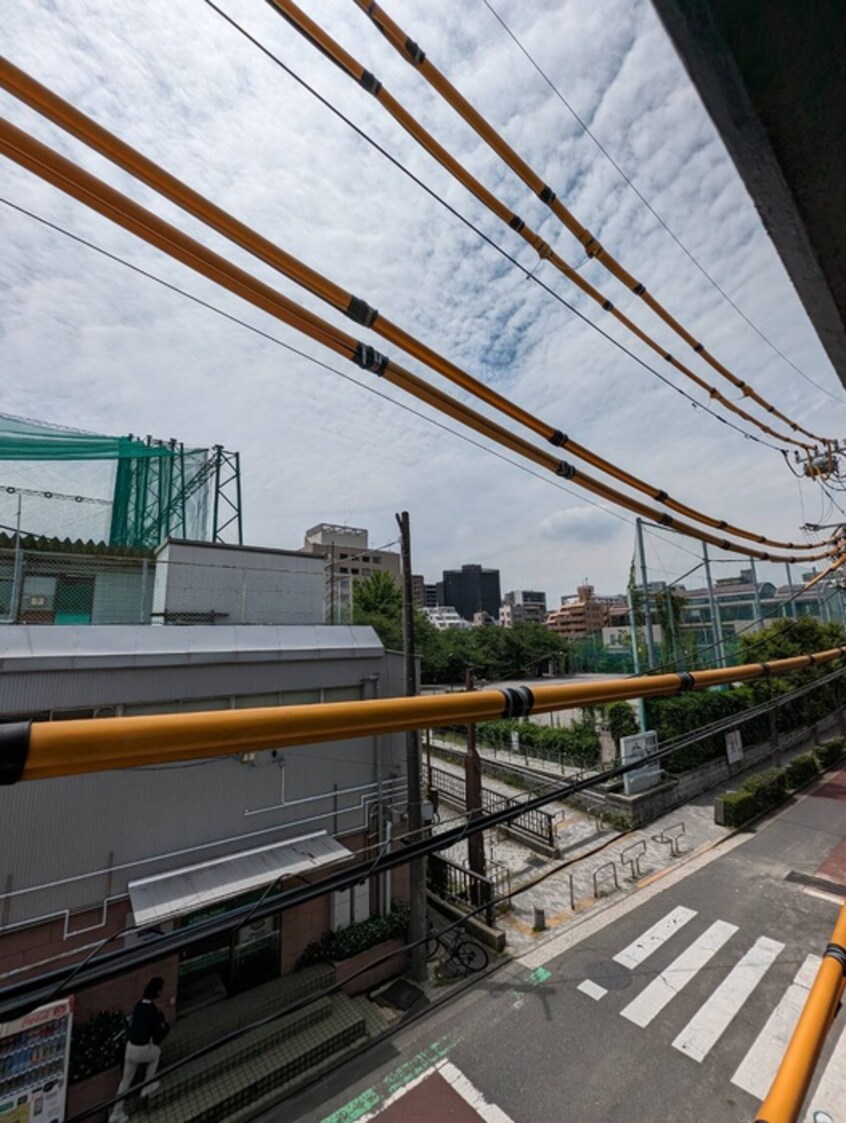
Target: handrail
790, 1086
41, 750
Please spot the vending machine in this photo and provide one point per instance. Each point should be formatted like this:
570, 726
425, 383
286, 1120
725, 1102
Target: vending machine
34, 1058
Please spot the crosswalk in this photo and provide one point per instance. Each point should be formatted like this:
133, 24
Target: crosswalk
734, 988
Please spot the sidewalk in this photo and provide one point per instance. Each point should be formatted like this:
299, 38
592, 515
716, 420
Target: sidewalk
593, 865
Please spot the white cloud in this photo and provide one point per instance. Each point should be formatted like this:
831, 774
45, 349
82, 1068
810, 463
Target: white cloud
86, 342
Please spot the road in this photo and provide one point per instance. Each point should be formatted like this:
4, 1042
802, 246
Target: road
674, 1002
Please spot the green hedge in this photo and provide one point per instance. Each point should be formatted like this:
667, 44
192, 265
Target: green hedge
355, 938
768, 788
829, 752
577, 745
801, 769
739, 808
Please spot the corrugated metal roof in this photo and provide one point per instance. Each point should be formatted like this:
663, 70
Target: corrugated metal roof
194, 887
37, 647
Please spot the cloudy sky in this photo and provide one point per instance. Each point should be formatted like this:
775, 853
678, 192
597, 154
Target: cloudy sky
86, 342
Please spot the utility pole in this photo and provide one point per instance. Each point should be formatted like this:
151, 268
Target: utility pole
758, 615
418, 926
332, 583
790, 607
473, 796
716, 622
647, 609
641, 704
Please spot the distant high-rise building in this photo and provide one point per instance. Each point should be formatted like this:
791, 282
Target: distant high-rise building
522, 606
469, 590
418, 590
430, 596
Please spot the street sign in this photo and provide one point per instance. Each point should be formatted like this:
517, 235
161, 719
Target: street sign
635, 747
734, 747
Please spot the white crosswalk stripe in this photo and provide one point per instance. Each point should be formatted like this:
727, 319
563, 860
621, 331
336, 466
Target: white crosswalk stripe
651, 1001
652, 939
756, 1071
736, 987
710, 1021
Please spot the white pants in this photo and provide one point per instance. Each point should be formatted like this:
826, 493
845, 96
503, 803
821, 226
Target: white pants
134, 1056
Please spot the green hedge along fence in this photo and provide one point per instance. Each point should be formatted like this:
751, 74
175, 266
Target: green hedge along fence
765, 790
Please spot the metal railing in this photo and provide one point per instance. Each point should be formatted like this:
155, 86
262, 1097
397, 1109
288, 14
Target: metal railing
536, 823
463, 887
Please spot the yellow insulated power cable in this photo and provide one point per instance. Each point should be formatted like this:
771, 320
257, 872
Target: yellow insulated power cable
62, 113
416, 57
81, 185
354, 69
45, 749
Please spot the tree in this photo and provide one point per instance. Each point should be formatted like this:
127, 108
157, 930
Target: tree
377, 602
376, 594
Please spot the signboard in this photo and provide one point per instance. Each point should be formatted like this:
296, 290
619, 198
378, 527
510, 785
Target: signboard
635, 747
34, 1057
734, 747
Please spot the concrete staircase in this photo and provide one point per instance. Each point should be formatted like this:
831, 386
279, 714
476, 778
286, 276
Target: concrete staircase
237, 1078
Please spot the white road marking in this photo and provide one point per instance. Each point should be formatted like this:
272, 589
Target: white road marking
654, 937
592, 990
600, 918
756, 1071
709, 1022
667, 985
830, 1095
471, 1094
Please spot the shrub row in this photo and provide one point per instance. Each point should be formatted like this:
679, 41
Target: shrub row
768, 789
577, 745
346, 942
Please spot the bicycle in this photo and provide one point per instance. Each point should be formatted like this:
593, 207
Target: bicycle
460, 950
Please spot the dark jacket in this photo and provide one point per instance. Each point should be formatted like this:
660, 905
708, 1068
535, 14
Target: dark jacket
148, 1024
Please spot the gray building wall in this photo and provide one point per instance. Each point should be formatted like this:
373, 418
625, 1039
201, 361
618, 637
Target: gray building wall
70, 843
237, 584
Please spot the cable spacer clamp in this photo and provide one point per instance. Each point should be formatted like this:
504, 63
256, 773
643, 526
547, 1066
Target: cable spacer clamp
516, 223
558, 439
567, 471
666, 520
519, 701
766, 670
360, 311
699, 348
838, 952
368, 358
370, 82
686, 682
607, 306
546, 194
639, 289
14, 750
660, 496
417, 56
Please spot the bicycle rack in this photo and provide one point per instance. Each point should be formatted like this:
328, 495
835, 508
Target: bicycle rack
670, 839
631, 856
607, 866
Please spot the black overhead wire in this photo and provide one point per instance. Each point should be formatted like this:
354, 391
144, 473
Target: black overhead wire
312, 359
528, 273
586, 128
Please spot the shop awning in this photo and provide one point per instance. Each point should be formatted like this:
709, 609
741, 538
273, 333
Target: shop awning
195, 887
